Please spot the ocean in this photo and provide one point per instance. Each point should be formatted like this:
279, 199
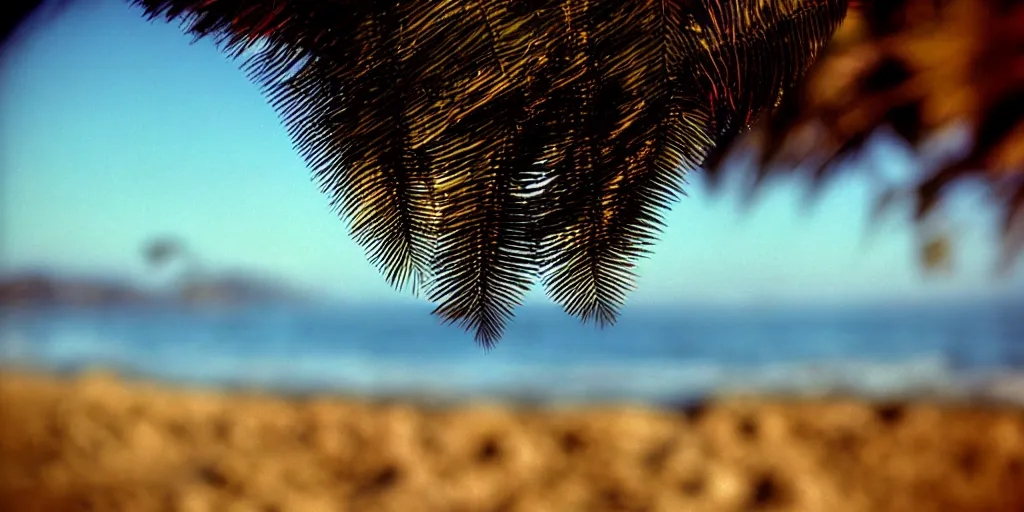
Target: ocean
654, 355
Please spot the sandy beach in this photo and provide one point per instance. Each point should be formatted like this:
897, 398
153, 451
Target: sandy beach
99, 442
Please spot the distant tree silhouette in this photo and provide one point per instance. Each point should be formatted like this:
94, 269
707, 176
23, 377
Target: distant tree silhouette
160, 252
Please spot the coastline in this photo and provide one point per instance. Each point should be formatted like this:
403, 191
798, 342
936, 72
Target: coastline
98, 440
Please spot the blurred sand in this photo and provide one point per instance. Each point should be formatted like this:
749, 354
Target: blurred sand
101, 443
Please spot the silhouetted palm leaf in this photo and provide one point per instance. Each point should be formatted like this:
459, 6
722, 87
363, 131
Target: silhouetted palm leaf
476, 144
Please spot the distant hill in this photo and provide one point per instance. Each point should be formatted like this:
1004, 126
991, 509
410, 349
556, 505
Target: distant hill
47, 290
231, 289
39, 289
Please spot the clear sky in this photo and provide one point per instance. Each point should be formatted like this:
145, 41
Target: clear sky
115, 130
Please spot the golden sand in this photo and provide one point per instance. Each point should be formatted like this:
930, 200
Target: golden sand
98, 442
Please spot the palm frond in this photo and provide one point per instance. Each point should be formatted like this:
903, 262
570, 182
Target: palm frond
486, 258
347, 87
914, 69
474, 145
643, 91
581, 270
484, 157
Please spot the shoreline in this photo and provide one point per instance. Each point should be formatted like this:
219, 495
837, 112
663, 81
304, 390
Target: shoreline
124, 443
988, 388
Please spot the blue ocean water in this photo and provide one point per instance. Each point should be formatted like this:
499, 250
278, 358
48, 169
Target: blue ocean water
655, 355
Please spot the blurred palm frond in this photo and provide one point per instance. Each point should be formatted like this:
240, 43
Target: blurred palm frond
919, 70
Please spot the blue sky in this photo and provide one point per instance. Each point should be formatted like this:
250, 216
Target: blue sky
115, 130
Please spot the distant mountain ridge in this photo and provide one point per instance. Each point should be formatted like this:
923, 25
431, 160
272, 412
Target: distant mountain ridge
48, 290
